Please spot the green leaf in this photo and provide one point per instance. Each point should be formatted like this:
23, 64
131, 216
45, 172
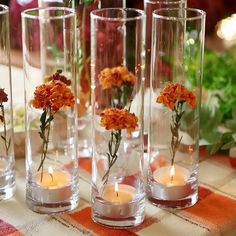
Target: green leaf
228, 145
9, 144
50, 118
87, 1
41, 135
231, 124
59, 71
212, 149
234, 136
43, 117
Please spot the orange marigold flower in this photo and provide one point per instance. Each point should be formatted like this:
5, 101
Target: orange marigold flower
58, 76
3, 96
176, 92
117, 119
54, 94
115, 77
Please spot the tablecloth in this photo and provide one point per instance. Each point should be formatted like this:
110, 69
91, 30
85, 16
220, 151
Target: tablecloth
214, 213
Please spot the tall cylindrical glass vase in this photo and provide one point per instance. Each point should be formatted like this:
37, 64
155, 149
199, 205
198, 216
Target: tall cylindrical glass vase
51, 115
176, 72
149, 7
117, 63
7, 162
84, 58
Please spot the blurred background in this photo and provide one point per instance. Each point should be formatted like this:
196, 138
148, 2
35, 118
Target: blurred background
218, 114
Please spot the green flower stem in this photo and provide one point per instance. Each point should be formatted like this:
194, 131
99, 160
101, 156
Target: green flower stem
4, 137
113, 147
175, 140
45, 127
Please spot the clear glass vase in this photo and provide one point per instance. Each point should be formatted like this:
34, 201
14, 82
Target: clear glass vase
84, 58
149, 7
7, 161
117, 63
83, 10
51, 114
176, 72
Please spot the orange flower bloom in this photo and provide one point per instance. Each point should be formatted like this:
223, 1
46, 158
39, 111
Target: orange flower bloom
115, 77
3, 96
58, 76
54, 94
117, 119
176, 92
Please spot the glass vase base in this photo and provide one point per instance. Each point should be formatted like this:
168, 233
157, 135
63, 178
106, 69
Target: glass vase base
52, 208
118, 215
7, 185
174, 204
7, 192
118, 223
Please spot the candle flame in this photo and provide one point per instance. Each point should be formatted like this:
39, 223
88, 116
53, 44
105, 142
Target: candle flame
172, 173
116, 188
50, 170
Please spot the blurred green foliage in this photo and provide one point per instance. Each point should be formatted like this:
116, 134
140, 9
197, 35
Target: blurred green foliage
218, 111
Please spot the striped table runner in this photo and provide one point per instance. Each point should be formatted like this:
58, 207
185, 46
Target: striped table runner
214, 214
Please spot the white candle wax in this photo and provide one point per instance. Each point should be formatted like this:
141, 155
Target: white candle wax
118, 193
168, 188
117, 202
53, 187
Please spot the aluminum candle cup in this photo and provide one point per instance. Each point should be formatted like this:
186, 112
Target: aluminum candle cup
54, 187
171, 189
117, 203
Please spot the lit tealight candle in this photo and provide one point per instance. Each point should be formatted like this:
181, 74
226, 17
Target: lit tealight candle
54, 186
171, 182
53, 179
120, 193
117, 201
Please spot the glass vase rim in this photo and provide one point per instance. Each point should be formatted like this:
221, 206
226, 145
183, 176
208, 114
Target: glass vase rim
70, 13
94, 15
157, 14
165, 1
4, 9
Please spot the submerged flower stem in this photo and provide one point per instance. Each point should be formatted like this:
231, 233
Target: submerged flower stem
113, 147
175, 140
44, 134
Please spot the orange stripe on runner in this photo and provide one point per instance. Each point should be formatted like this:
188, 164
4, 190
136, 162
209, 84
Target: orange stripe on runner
83, 218
214, 210
85, 164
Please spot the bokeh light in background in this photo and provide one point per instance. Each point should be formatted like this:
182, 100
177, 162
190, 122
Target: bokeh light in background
226, 28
